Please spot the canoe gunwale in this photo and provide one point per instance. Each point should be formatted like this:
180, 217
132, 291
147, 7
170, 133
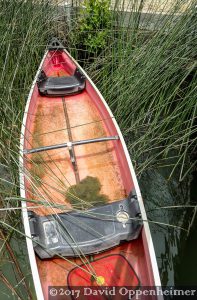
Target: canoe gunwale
31, 252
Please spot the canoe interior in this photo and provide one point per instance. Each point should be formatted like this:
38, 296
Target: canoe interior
49, 174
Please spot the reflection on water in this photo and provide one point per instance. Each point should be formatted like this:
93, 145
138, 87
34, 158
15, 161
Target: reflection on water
18, 244
175, 251
8, 269
186, 270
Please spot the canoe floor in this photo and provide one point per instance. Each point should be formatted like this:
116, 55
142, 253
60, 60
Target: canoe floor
53, 169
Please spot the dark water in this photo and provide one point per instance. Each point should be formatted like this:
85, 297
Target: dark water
8, 269
186, 271
175, 249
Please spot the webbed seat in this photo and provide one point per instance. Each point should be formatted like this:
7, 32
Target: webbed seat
90, 231
61, 86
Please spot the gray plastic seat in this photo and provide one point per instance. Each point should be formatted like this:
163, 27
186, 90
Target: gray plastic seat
88, 232
61, 86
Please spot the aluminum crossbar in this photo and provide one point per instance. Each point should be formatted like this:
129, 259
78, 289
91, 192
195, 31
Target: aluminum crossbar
69, 144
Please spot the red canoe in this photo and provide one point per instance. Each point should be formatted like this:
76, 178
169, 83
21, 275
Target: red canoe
82, 208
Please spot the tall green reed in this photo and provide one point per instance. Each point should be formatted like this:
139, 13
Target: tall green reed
149, 81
